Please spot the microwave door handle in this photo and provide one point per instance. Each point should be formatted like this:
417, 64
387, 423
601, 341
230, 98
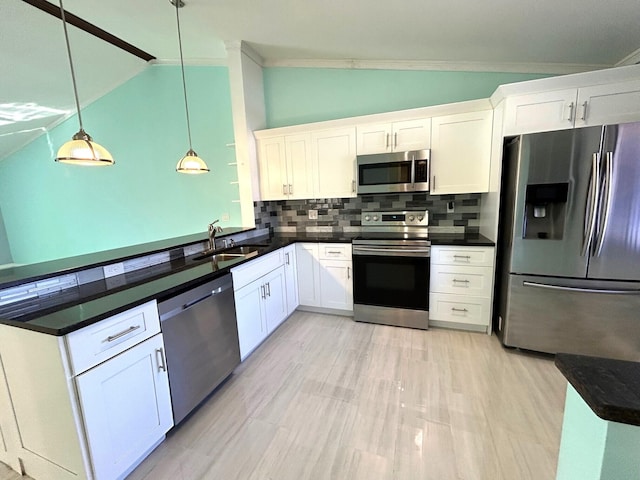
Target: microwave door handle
413, 173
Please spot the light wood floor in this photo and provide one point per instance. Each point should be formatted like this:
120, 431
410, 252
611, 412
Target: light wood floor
328, 398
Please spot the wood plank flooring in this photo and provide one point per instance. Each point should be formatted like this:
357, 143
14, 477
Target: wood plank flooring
328, 398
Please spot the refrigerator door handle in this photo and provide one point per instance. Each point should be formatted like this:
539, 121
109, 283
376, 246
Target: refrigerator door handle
592, 204
581, 290
605, 200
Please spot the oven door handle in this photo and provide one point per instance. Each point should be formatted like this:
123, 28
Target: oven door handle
383, 251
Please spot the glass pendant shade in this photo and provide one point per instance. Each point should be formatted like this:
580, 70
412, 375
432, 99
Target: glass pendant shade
191, 163
82, 150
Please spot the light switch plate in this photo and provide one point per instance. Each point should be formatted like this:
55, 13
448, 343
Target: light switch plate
451, 206
313, 214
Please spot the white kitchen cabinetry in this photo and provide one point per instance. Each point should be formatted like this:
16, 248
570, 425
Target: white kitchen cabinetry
394, 137
261, 299
334, 155
285, 167
291, 278
573, 107
8, 429
126, 407
461, 285
307, 261
325, 276
461, 153
92, 404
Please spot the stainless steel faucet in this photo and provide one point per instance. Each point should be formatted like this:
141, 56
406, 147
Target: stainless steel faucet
213, 229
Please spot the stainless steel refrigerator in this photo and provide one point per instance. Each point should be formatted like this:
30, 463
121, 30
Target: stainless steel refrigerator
569, 242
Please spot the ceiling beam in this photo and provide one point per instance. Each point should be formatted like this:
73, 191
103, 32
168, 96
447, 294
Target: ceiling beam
90, 28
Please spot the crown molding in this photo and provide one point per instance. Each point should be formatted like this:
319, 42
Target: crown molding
632, 59
511, 67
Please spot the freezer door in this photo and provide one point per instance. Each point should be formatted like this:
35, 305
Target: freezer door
549, 229
579, 316
616, 251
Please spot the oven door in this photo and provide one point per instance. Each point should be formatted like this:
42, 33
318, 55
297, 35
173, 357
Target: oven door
387, 280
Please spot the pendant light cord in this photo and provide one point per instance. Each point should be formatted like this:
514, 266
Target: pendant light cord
184, 83
73, 75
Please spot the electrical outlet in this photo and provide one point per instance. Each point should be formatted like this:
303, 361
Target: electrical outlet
313, 214
113, 269
450, 206
224, 217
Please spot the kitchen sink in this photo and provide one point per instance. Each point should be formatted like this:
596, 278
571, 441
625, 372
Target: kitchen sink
245, 250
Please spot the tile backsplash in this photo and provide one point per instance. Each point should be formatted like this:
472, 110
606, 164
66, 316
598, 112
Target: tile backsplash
343, 214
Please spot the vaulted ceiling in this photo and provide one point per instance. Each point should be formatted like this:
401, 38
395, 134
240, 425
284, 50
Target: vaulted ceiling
545, 36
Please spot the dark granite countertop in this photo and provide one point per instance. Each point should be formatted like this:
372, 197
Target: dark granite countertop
89, 303
610, 387
461, 239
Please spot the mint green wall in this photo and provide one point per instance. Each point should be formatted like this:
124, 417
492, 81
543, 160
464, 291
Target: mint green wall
303, 95
5, 250
594, 449
54, 210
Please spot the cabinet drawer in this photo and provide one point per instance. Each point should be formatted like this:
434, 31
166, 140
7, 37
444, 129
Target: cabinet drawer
480, 256
461, 280
459, 309
250, 271
98, 342
334, 251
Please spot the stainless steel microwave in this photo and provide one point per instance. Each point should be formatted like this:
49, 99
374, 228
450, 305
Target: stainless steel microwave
394, 172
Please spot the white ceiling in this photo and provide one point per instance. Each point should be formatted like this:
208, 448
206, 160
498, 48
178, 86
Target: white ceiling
495, 35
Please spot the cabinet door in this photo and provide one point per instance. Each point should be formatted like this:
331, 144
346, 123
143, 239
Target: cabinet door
374, 138
334, 154
308, 274
412, 135
540, 112
272, 162
8, 428
336, 287
299, 166
276, 299
461, 153
250, 316
291, 278
609, 104
126, 406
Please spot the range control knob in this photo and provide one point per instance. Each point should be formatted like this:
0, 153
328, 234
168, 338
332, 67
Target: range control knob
375, 218
411, 218
367, 218
420, 217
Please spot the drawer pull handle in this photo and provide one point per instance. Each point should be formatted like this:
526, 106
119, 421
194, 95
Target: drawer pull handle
463, 310
466, 257
455, 280
160, 358
132, 328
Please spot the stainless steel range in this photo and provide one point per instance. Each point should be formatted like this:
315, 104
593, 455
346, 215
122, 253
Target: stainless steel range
391, 261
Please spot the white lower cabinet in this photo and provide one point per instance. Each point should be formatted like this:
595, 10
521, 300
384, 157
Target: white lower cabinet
461, 285
325, 275
291, 278
96, 423
260, 291
126, 407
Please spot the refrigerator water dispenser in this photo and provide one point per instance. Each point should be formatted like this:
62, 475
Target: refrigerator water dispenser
545, 211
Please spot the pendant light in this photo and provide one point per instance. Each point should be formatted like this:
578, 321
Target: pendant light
81, 149
191, 162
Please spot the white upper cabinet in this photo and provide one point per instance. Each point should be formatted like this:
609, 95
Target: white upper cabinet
334, 155
394, 137
608, 104
574, 107
285, 167
461, 153
538, 112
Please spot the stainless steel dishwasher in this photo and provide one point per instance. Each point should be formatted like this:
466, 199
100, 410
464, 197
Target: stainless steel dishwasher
201, 342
